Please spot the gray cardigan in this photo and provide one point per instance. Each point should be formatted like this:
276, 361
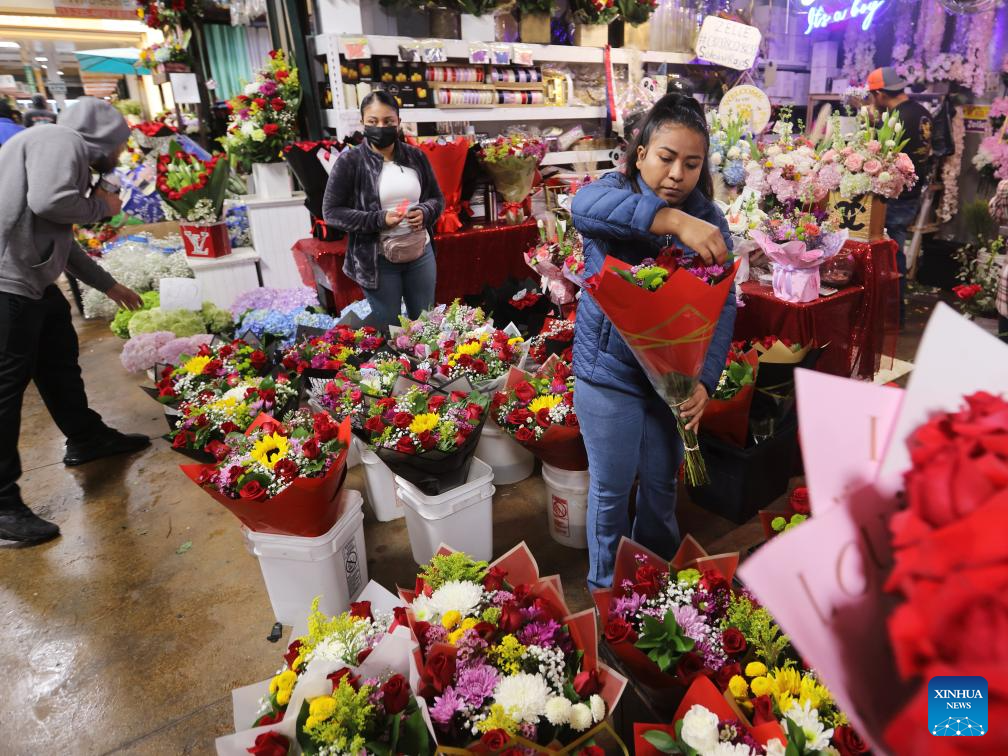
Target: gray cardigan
352, 204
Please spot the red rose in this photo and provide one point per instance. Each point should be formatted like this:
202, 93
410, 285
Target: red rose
180, 441
282, 75
439, 671
592, 750
474, 412
495, 740
690, 667
648, 580
260, 102
494, 579
405, 446
401, 618
218, 448
375, 425
458, 396
763, 710
257, 358
525, 392
733, 641
270, 743
270, 129
269, 719
511, 618
618, 630
543, 418
229, 427
479, 366
213, 367
848, 742
252, 490
435, 402
402, 420
205, 476
427, 440
286, 469
726, 673
800, 500
571, 420
325, 428
361, 609
291, 362
293, 651
310, 449
337, 677
587, 683
523, 435
364, 654
713, 581
277, 103
395, 694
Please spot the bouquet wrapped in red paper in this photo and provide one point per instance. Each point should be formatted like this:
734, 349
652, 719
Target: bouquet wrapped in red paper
794, 514
281, 478
502, 663
727, 413
667, 311
447, 159
537, 411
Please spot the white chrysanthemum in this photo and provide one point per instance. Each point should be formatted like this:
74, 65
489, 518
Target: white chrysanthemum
730, 749
700, 729
581, 717
775, 748
422, 609
558, 711
523, 696
462, 597
598, 708
816, 734
251, 90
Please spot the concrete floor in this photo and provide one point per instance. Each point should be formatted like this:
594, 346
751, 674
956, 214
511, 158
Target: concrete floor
116, 642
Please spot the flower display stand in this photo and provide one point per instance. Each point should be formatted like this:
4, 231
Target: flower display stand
276, 225
222, 279
271, 180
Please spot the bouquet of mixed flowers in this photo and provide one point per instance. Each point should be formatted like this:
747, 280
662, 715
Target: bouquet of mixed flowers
175, 49
426, 435
666, 311
798, 243
727, 413
280, 477
483, 357
511, 162
538, 412
502, 662
731, 144
349, 392
869, 161
192, 190
595, 11
264, 117
235, 360
786, 171
208, 418
556, 337
420, 337
328, 352
559, 259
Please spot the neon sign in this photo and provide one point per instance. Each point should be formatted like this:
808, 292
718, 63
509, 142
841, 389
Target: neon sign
819, 17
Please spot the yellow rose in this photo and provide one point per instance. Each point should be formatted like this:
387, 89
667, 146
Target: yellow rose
755, 669
738, 686
762, 686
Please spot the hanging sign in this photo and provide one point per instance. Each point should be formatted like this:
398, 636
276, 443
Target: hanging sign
185, 90
823, 13
749, 102
728, 43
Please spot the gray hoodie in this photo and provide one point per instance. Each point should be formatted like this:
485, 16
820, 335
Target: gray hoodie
44, 178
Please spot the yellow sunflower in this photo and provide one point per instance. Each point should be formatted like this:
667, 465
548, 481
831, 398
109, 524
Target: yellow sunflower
425, 422
270, 449
549, 401
195, 365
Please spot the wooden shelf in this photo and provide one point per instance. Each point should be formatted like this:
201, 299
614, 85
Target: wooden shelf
476, 85
519, 87
474, 113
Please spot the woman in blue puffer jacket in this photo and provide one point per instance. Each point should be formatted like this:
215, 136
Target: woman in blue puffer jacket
663, 198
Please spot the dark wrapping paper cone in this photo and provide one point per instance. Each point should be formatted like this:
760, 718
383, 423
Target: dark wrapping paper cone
303, 161
774, 396
308, 507
528, 313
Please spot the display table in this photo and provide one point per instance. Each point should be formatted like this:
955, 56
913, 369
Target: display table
222, 279
467, 261
275, 224
855, 327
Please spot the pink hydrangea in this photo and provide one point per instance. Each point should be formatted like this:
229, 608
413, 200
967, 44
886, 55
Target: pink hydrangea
141, 352
829, 177
999, 108
872, 167
874, 146
854, 162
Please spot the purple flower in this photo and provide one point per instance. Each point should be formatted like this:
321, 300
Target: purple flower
476, 684
539, 634
268, 88
628, 606
445, 707
528, 731
469, 649
435, 634
502, 597
690, 620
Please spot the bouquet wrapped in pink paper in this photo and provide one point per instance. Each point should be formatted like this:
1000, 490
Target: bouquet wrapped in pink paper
559, 259
798, 243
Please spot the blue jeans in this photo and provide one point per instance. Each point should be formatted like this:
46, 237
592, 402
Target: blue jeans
413, 281
626, 435
899, 215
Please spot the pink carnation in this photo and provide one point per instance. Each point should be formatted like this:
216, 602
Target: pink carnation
874, 146
854, 162
829, 156
872, 167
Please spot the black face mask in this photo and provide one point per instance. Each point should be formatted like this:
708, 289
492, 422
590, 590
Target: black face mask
381, 137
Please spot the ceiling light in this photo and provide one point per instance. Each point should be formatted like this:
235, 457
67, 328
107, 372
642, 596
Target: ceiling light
42, 59
60, 73
10, 45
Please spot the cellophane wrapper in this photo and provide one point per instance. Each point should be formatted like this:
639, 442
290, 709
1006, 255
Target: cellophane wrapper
513, 178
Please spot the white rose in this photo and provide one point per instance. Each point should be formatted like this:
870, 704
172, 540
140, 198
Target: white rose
734, 152
700, 729
558, 711
716, 158
598, 708
581, 717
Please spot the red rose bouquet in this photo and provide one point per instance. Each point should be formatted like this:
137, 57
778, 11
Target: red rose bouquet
192, 190
666, 311
556, 337
483, 357
326, 353
727, 413
211, 367
281, 478
427, 436
538, 412
501, 662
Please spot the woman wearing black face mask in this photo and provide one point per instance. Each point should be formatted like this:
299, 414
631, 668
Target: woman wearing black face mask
383, 193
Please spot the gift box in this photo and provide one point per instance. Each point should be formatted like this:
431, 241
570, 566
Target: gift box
746, 480
206, 239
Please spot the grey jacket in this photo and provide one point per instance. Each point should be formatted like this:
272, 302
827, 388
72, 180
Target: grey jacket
351, 204
44, 177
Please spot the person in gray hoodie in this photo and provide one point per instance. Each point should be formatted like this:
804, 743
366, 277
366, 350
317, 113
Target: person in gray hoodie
45, 183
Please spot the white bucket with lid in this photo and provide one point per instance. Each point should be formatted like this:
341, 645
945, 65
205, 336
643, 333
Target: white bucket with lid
567, 505
379, 483
511, 462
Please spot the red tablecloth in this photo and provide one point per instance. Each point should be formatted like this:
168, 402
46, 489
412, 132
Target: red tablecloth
467, 261
856, 326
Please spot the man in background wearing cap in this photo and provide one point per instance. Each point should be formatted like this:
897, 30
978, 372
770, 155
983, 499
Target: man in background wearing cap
46, 175
886, 88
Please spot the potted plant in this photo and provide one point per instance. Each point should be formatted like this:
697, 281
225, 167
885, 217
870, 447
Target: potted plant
477, 19
636, 24
591, 21
534, 27
263, 119
192, 192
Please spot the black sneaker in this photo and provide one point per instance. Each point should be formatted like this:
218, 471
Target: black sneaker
21, 524
107, 445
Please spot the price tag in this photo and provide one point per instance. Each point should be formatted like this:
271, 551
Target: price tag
356, 48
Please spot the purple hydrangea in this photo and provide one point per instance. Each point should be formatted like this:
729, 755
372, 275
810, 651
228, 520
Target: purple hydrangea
281, 300
446, 706
476, 684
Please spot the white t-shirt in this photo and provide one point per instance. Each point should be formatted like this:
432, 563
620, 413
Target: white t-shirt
398, 183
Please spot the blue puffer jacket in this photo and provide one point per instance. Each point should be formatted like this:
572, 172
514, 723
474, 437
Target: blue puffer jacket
615, 220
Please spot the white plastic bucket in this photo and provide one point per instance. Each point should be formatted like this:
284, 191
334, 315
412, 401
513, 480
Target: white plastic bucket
567, 505
461, 518
379, 482
511, 462
332, 566
353, 458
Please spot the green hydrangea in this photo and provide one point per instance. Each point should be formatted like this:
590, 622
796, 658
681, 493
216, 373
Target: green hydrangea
121, 321
216, 319
179, 322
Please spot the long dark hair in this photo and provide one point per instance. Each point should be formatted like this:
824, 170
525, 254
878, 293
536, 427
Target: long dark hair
681, 110
379, 96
